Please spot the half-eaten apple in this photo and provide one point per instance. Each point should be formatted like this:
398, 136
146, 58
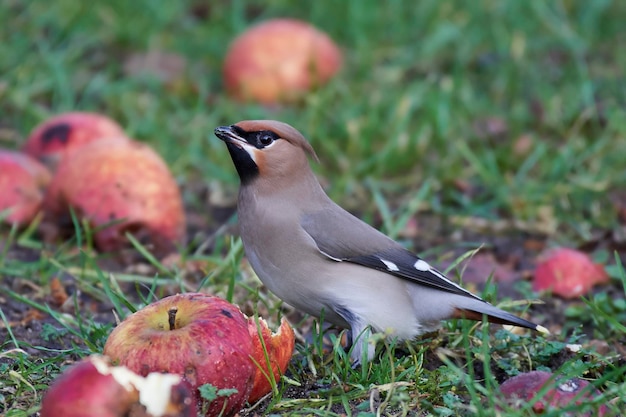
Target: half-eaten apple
93, 387
203, 338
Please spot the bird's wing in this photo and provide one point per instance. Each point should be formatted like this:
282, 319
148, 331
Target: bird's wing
342, 237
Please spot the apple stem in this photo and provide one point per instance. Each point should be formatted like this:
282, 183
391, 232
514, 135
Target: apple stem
171, 314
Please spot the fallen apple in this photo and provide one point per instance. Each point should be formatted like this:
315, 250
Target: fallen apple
567, 273
62, 133
273, 349
119, 185
201, 337
279, 60
93, 387
559, 394
22, 184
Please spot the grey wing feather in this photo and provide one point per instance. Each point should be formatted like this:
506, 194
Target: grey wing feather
342, 237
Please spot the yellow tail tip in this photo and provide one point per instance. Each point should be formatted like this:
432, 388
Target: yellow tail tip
542, 329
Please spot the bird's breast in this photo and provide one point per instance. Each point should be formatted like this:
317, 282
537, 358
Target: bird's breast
283, 256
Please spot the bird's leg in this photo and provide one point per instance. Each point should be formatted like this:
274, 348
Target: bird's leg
360, 337
362, 341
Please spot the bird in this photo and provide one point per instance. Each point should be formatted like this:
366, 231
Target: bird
319, 258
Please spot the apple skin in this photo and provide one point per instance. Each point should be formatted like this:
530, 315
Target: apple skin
81, 391
124, 181
22, 184
568, 273
279, 60
210, 344
94, 388
279, 347
52, 139
525, 386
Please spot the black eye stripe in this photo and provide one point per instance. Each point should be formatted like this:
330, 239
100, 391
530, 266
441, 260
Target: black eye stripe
259, 138
239, 131
262, 138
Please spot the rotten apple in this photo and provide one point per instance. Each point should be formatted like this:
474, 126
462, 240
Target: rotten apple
201, 337
279, 60
559, 394
22, 184
93, 387
119, 186
568, 273
271, 350
62, 133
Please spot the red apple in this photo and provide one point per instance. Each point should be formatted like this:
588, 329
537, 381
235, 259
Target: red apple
568, 273
50, 140
276, 348
279, 60
118, 186
94, 388
22, 183
524, 387
203, 338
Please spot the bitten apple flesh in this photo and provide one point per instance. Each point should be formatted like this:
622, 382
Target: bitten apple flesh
275, 348
203, 338
94, 388
119, 185
22, 184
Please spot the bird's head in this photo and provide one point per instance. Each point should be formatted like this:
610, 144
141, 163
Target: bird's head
266, 149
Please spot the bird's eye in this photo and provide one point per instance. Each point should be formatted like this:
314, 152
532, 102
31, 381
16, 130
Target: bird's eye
266, 139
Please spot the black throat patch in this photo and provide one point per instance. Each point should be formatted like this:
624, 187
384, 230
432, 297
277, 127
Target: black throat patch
246, 168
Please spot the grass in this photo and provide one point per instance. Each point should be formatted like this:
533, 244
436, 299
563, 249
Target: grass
496, 117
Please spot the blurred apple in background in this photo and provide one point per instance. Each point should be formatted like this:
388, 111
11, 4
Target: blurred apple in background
203, 338
50, 140
119, 185
567, 273
279, 60
22, 186
93, 387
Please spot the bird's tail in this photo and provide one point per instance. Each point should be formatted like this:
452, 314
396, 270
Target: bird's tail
475, 309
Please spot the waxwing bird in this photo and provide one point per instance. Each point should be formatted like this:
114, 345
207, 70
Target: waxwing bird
324, 261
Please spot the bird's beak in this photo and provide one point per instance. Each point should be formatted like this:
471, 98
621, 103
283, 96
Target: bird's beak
229, 135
